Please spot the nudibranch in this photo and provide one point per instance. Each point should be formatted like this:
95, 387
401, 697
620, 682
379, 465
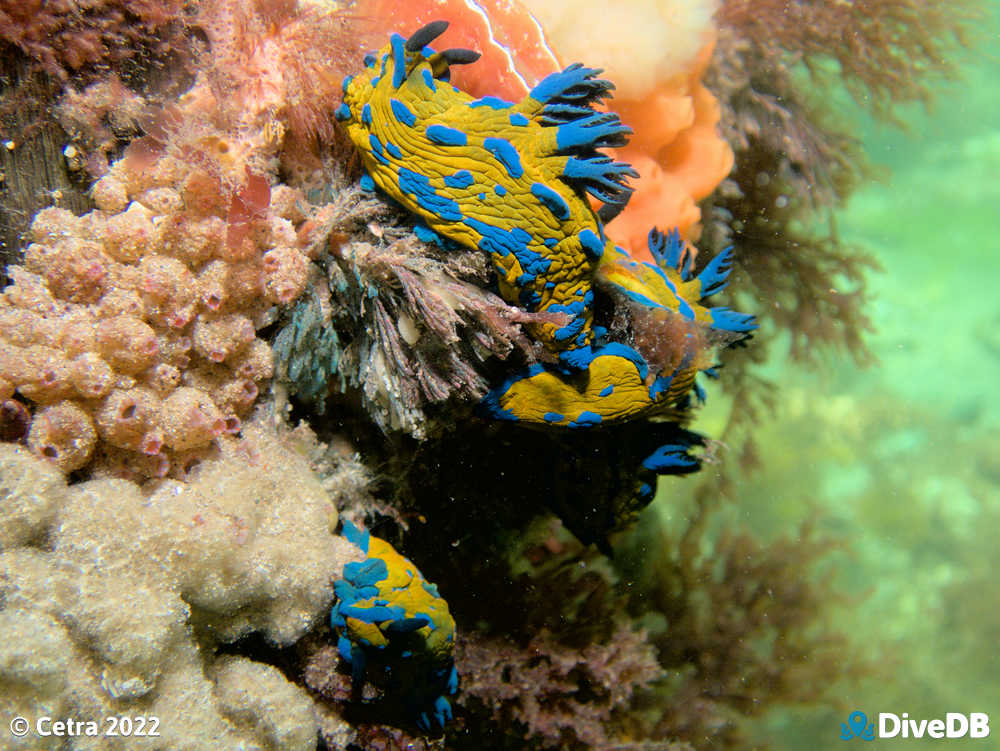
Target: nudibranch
511, 179
394, 628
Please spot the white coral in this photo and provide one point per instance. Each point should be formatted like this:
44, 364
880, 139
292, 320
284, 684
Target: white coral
121, 610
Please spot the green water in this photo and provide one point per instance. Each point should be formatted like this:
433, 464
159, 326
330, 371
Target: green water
901, 461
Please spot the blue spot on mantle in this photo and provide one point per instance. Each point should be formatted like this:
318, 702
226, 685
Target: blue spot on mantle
402, 112
492, 102
461, 179
552, 200
445, 136
506, 154
419, 186
586, 420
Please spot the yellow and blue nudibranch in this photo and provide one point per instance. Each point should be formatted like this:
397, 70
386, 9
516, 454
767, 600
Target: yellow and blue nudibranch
394, 628
512, 179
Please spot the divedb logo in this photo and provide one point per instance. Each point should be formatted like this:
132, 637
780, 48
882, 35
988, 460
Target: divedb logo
890, 725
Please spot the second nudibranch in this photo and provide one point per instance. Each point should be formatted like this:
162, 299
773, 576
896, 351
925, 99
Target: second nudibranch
512, 179
394, 628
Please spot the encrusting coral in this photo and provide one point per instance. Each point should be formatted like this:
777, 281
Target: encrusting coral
100, 623
132, 329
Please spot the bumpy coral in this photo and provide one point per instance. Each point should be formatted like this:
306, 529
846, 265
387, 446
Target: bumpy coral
98, 623
105, 331
132, 329
394, 627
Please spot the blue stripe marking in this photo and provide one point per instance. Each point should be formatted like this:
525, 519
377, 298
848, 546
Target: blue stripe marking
348, 593
376, 145
591, 243
429, 80
586, 419
553, 417
639, 298
502, 242
527, 298
369, 60
505, 153
363, 573
393, 149
552, 201
374, 614
442, 134
430, 588
402, 112
346, 82
343, 644
343, 112
420, 187
367, 184
493, 102
398, 60
358, 537
461, 179
660, 386
580, 359
576, 309
516, 118
607, 391
499, 190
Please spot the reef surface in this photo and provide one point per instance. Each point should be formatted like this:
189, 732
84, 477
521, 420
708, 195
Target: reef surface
241, 394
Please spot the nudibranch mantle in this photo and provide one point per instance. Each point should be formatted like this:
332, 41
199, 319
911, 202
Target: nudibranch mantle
389, 619
512, 179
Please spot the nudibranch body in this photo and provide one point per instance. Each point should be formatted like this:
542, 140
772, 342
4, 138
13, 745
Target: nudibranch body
394, 627
512, 179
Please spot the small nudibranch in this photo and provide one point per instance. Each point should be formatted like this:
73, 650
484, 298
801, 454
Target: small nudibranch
392, 622
511, 179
